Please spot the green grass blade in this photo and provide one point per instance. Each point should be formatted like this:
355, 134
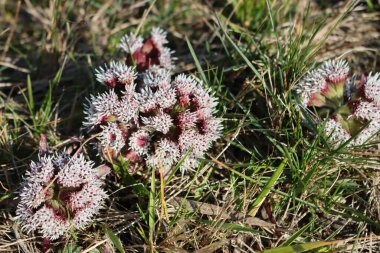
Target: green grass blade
232, 226
247, 61
299, 247
197, 63
115, 240
30, 101
151, 208
30, 94
297, 234
259, 200
276, 175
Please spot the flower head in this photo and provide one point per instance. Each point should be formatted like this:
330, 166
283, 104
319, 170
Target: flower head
130, 43
166, 155
59, 193
361, 124
157, 77
336, 133
148, 52
354, 105
171, 120
326, 82
334, 71
139, 142
367, 111
160, 122
127, 108
153, 121
116, 74
372, 88
112, 136
366, 119
100, 108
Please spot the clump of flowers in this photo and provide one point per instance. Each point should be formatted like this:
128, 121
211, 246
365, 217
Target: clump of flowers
158, 124
60, 193
153, 120
353, 106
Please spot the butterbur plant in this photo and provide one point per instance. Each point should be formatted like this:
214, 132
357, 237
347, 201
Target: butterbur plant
352, 106
158, 124
152, 120
60, 193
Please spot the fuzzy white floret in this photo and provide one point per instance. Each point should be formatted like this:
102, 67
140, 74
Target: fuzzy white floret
102, 105
139, 142
372, 88
158, 36
130, 43
111, 136
128, 107
184, 85
165, 98
74, 173
368, 133
146, 100
161, 122
367, 111
166, 155
336, 133
334, 70
157, 77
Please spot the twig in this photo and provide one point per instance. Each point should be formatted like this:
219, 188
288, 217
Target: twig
11, 32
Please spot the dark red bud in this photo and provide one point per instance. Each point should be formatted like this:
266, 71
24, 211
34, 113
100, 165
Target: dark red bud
353, 105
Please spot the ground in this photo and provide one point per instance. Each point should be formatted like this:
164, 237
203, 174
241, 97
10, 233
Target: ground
271, 181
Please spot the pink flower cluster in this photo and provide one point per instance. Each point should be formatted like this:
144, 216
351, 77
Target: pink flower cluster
146, 53
324, 83
59, 193
354, 107
154, 120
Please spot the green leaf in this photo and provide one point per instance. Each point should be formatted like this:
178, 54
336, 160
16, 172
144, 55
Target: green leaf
122, 171
297, 234
151, 207
257, 203
197, 64
299, 247
115, 240
30, 94
72, 248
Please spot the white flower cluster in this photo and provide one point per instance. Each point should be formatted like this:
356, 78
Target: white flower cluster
336, 133
323, 83
153, 120
158, 124
366, 116
59, 193
116, 74
146, 53
356, 116
372, 88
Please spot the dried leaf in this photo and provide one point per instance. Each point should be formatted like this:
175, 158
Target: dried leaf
209, 209
102, 170
212, 247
